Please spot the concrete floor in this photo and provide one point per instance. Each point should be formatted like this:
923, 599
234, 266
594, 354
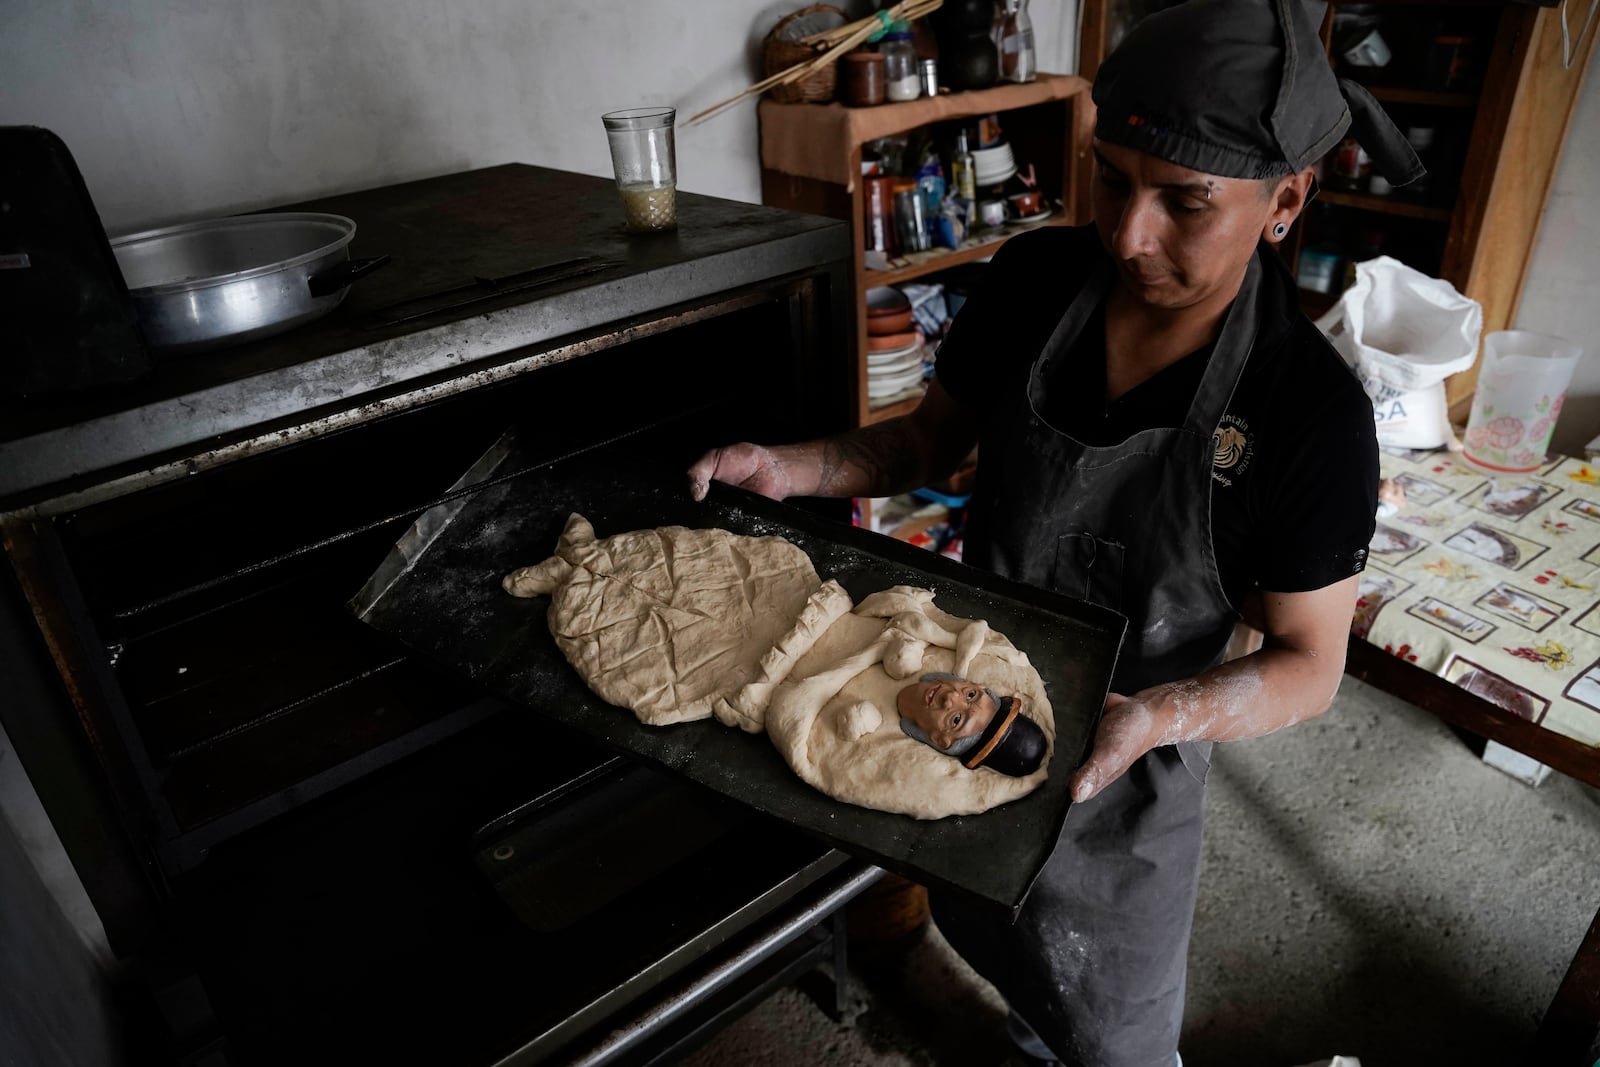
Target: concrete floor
1369, 888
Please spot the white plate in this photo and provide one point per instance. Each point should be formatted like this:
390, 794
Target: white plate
912, 373
890, 370
893, 370
1040, 217
886, 386
880, 359
997, 177
1000, 153
893, 354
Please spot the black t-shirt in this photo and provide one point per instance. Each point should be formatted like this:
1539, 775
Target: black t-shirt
1295, 477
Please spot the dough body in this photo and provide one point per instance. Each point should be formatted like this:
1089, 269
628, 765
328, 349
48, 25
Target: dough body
664, 622
680, 624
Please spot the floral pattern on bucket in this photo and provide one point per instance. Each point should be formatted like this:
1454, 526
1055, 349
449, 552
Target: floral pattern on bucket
1521, 388
1492, 443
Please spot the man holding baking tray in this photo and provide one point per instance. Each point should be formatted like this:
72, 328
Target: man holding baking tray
1160, 431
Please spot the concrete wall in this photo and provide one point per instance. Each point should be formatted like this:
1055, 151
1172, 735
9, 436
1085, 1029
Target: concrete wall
178, 109
1560, 294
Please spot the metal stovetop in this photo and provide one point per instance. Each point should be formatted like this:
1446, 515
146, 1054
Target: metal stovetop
484, 263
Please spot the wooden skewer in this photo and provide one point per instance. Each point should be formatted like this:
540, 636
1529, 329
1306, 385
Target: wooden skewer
839, 40
908, 11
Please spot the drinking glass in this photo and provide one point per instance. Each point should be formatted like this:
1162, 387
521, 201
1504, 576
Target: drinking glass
1521, 387
911, 221
642, 156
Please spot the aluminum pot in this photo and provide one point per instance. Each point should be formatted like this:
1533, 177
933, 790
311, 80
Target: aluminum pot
205, 285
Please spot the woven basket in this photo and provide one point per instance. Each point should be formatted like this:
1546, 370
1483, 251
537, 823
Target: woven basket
781, 50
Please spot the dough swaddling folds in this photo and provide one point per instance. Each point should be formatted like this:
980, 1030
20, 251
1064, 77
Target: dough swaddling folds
813, 719
680, 624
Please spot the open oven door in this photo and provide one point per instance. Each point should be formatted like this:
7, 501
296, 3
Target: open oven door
439, 592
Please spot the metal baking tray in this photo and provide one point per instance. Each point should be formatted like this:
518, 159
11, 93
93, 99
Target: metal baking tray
439, 593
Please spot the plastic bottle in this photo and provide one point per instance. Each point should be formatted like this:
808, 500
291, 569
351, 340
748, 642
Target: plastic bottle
902, 73
1014, 38
963, 170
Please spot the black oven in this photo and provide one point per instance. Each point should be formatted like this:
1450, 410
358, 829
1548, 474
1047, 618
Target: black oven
306, 844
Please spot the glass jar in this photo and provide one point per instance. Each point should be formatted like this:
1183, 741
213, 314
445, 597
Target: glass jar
901, 69
863, 79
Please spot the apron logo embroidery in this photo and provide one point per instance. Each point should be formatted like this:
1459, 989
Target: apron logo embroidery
1232, 448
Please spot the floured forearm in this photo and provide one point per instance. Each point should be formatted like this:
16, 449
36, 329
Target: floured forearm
1247, 697
880, 460
1293, 677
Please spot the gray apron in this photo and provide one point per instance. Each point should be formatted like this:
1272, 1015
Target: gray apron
1096, 961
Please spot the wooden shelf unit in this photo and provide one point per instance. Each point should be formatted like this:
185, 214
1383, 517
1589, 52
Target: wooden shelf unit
811, 161
919, 264
1395, 94
890, 411
1387, 205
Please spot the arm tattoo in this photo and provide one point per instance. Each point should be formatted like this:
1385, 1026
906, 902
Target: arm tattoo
883, 457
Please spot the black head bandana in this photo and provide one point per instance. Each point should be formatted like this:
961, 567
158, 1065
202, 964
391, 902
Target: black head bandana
1240, 89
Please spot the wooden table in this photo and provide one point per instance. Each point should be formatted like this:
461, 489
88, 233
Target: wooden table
1481, 604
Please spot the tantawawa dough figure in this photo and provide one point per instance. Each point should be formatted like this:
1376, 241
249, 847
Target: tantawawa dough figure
678, 624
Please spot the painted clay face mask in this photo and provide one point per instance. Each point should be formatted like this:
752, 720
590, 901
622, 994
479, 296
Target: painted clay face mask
945, 708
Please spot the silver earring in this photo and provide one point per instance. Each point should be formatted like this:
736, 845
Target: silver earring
1280, 229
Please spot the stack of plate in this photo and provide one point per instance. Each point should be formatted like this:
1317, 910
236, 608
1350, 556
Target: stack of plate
894, 371
994, 164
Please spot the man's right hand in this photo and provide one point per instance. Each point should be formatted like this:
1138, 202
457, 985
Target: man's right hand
754, 467
893, 456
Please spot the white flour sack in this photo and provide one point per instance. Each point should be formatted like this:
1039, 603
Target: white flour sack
1404, 333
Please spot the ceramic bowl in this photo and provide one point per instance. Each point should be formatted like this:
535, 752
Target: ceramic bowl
1028, 203
890, 342
886, 300
894, 322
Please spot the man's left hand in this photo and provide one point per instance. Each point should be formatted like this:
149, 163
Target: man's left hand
1292, 677
1128, 729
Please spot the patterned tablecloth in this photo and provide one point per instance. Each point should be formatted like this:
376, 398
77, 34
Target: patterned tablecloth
1494, 586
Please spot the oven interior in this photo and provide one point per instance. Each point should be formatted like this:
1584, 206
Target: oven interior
356, 851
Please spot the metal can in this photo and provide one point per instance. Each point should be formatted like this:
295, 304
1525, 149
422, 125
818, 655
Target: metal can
930, 77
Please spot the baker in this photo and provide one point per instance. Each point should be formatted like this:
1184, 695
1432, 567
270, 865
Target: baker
1161, 431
